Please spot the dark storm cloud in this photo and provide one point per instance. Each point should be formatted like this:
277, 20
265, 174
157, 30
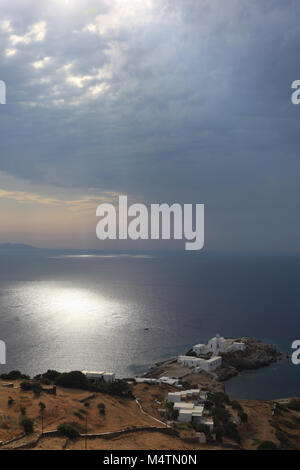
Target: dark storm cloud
179, 100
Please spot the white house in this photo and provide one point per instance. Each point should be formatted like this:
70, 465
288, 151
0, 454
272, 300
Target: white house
190, 413
174, 397
99, 376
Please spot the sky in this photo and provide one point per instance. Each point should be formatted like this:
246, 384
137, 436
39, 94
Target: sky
185, 101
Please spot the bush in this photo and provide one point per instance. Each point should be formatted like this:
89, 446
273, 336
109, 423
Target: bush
294, 404
51, 375
231, 431
199, 427
243, 416
42, 406
221, 414
219, 434
219, 398
236, 405
78, 415
27, 425
267, 445
10, 401
284, 441
68, 430
101, 408
25, 386
118, 387
36, 388
74, 379
14, 375
77, 379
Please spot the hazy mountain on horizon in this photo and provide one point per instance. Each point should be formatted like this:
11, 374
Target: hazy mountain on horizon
17, 247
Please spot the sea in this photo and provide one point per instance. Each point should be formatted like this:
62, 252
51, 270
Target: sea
123, 312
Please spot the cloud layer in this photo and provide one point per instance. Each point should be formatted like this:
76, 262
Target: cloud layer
182, 100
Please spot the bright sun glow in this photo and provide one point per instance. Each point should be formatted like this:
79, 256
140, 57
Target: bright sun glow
69, 307
77, 302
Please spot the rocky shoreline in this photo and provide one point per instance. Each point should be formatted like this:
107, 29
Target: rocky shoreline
257, 354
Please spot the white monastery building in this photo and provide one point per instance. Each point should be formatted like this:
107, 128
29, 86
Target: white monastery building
99, 376
217, 345
208, 365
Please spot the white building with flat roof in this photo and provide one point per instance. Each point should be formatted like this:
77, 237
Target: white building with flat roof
189, 404
211, 364
198, 363
99, 376
169, 381
146, 380
190, 361
190, 414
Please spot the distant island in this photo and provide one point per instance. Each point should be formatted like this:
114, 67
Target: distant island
17, 247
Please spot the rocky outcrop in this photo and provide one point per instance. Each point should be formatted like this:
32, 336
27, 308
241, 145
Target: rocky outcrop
256, 354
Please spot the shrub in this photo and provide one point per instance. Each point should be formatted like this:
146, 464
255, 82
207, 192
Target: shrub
219, 434
14, 375
231, 431
199, 427
267, 445
51, 375
284, 441
294, 404
243, 416
10, 401
118, 387
25, 386
236, 405
68, 430
36, 388
219, 398
42, 406
23, 410
221, 414
101, 408
77, 379
74, 379
78, 415
27, 425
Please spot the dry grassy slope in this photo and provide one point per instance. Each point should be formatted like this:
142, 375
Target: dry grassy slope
138, 440
120, 412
